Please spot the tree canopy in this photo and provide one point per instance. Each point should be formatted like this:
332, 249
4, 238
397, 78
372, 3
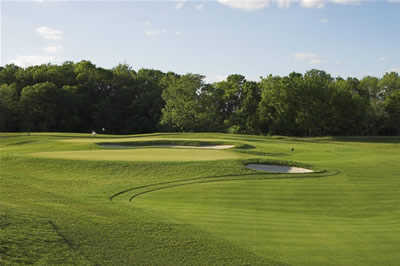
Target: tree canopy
80, 97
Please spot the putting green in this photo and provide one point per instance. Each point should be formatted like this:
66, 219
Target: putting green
144, 154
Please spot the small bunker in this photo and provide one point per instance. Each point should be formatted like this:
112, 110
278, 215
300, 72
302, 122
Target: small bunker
271, 168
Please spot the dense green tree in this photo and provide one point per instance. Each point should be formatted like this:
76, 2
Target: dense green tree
211, 108
41, 105
247, 118
313, 101
392, 108
232, 98
182, 110
276, 113
83, 97
312, 105
389, 83
148, 101
376, 109
8, 74
348, 112
9, 110
370, 86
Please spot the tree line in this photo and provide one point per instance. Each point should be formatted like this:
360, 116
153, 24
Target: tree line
81, 97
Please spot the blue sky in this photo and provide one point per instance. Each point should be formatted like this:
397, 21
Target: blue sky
214, 38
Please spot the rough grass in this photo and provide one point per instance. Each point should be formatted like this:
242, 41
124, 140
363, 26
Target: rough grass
213, 212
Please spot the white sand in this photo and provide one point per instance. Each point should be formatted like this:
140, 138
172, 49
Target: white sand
278, 168
214, 147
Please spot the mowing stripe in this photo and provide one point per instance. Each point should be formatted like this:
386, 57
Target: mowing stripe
213, 179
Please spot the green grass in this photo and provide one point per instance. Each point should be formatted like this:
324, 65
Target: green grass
144, 154
87, 205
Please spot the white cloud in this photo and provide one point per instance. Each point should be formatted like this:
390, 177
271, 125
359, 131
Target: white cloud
49, 33
315, 61
178, 33
219, 78
324, 20
199, 7
216, 78
322, 3
246, 4
180, 4
310, 58
382, 58
312, 3
284, 3
259, 4
31, 60
396, 69
154, 33
52, 49
304, 56
393, 1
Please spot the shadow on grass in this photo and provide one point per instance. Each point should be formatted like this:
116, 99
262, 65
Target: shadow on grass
374, 139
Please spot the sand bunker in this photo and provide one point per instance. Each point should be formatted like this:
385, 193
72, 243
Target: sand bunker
214, 147
278, 168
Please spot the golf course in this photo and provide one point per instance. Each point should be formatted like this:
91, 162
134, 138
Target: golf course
189, 199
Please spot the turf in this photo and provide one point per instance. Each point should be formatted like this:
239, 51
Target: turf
144, 154
107, 208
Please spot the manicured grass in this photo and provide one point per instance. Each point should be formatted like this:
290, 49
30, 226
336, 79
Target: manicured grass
171, 210
144, 154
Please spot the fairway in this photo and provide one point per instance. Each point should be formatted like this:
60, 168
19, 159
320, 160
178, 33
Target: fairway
144, 154
66, 200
